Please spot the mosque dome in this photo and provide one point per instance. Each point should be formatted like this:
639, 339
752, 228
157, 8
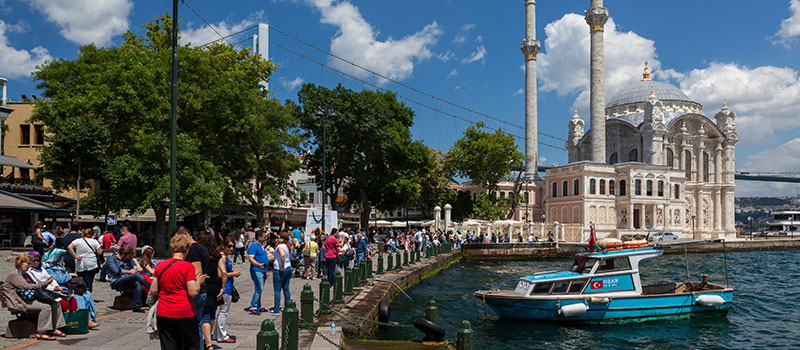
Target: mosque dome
640, 90
628, 103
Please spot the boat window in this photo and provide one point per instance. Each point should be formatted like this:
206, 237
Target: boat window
560, 287
614, 264
541, 288
583, 264
577, 286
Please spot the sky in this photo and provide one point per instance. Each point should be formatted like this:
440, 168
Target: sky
456, 62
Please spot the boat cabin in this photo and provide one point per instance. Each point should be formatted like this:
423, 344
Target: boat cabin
592, 274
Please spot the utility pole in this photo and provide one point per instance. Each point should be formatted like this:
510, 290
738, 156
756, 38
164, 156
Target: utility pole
324, 114
173, 197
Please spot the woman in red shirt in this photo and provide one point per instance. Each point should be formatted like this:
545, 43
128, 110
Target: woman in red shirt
176, 285
331, 254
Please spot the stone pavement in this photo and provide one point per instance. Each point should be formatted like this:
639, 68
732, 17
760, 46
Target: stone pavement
125, 330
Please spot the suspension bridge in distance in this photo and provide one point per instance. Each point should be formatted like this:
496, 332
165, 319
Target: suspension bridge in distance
738, 175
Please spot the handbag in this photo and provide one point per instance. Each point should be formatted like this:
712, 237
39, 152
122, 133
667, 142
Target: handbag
45, 296
27, 295
234, 294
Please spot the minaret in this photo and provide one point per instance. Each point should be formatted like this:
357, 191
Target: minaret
596, 18
530, 47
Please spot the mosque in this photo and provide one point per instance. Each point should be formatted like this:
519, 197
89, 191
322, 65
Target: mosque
652, 160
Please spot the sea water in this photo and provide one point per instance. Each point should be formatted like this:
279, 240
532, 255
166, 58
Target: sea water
765, 311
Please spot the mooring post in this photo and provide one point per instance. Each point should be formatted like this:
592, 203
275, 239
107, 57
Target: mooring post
369, 268
363, 272
432, 312
398, 266
389, 262
289, 325
337, 290
348, 281
418, 255
324, 296
267, 338
307, 307
380, 264
466, 337
405, 258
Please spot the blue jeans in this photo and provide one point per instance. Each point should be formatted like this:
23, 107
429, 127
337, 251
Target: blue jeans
330, 264
134, 281
259, 278
359, 257
280, 281
199, 306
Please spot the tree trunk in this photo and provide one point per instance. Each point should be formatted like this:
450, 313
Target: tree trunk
160, 234
365, 209
259, 211
515, 196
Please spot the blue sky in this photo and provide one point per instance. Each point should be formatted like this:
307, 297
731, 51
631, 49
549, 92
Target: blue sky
467, 52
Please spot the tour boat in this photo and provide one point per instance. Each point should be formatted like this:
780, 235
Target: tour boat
605, 287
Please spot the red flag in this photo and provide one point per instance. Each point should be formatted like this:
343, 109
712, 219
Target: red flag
592, 239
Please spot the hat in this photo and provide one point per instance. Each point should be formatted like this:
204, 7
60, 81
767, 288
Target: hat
36, 254
145, 248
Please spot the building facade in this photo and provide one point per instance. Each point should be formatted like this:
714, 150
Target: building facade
667, 167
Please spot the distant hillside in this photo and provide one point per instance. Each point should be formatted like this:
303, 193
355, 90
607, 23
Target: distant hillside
756, 202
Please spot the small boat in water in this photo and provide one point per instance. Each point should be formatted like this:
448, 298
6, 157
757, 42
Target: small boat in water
605, 286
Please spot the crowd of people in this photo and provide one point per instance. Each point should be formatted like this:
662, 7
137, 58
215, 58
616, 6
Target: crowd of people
190, 294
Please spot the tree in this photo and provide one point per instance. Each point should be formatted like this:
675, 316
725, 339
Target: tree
123, 92
369, 151
486, 159
483, 157
436, 186
260, 160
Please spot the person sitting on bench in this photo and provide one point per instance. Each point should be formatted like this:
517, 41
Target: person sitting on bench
50, 318
123, 272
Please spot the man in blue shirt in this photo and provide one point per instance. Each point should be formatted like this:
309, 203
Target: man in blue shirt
49, 239
123, 273
361, 248
258, 271
297, 234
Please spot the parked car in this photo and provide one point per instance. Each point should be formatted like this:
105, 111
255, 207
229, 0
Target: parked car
662, 236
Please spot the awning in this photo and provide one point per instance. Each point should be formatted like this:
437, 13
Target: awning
14, 162
16, 203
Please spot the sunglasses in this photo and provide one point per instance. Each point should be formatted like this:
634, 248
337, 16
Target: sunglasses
230, 246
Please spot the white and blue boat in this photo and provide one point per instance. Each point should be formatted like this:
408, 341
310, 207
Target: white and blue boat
605, 287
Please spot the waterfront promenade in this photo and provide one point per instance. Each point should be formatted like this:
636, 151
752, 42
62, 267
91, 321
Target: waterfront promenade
124, 330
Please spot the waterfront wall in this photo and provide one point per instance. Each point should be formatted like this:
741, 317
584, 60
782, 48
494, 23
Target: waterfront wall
365, 302
544, 250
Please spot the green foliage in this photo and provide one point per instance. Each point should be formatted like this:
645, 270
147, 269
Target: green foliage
436, 186
110, 112
488, 207
369, 151
485, 158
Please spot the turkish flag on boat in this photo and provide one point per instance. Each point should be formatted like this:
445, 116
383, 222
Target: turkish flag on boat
592, 239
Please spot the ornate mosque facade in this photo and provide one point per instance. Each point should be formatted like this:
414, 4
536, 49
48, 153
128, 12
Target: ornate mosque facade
653, 161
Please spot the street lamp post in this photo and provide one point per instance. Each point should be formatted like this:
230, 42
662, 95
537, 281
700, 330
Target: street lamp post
324, 114
693, 223
750, 218
173, 123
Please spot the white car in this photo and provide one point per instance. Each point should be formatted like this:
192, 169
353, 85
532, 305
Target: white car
662, 236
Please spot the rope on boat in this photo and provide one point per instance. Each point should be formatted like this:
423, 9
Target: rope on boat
345, 314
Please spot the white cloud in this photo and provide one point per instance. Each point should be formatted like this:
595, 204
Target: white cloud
765, 98
203, 34
293, 84
564, 67
19, 63
447, 56
478, 55
357, 41
462, 36
790, 27
519, 92
453, 73
86, 21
